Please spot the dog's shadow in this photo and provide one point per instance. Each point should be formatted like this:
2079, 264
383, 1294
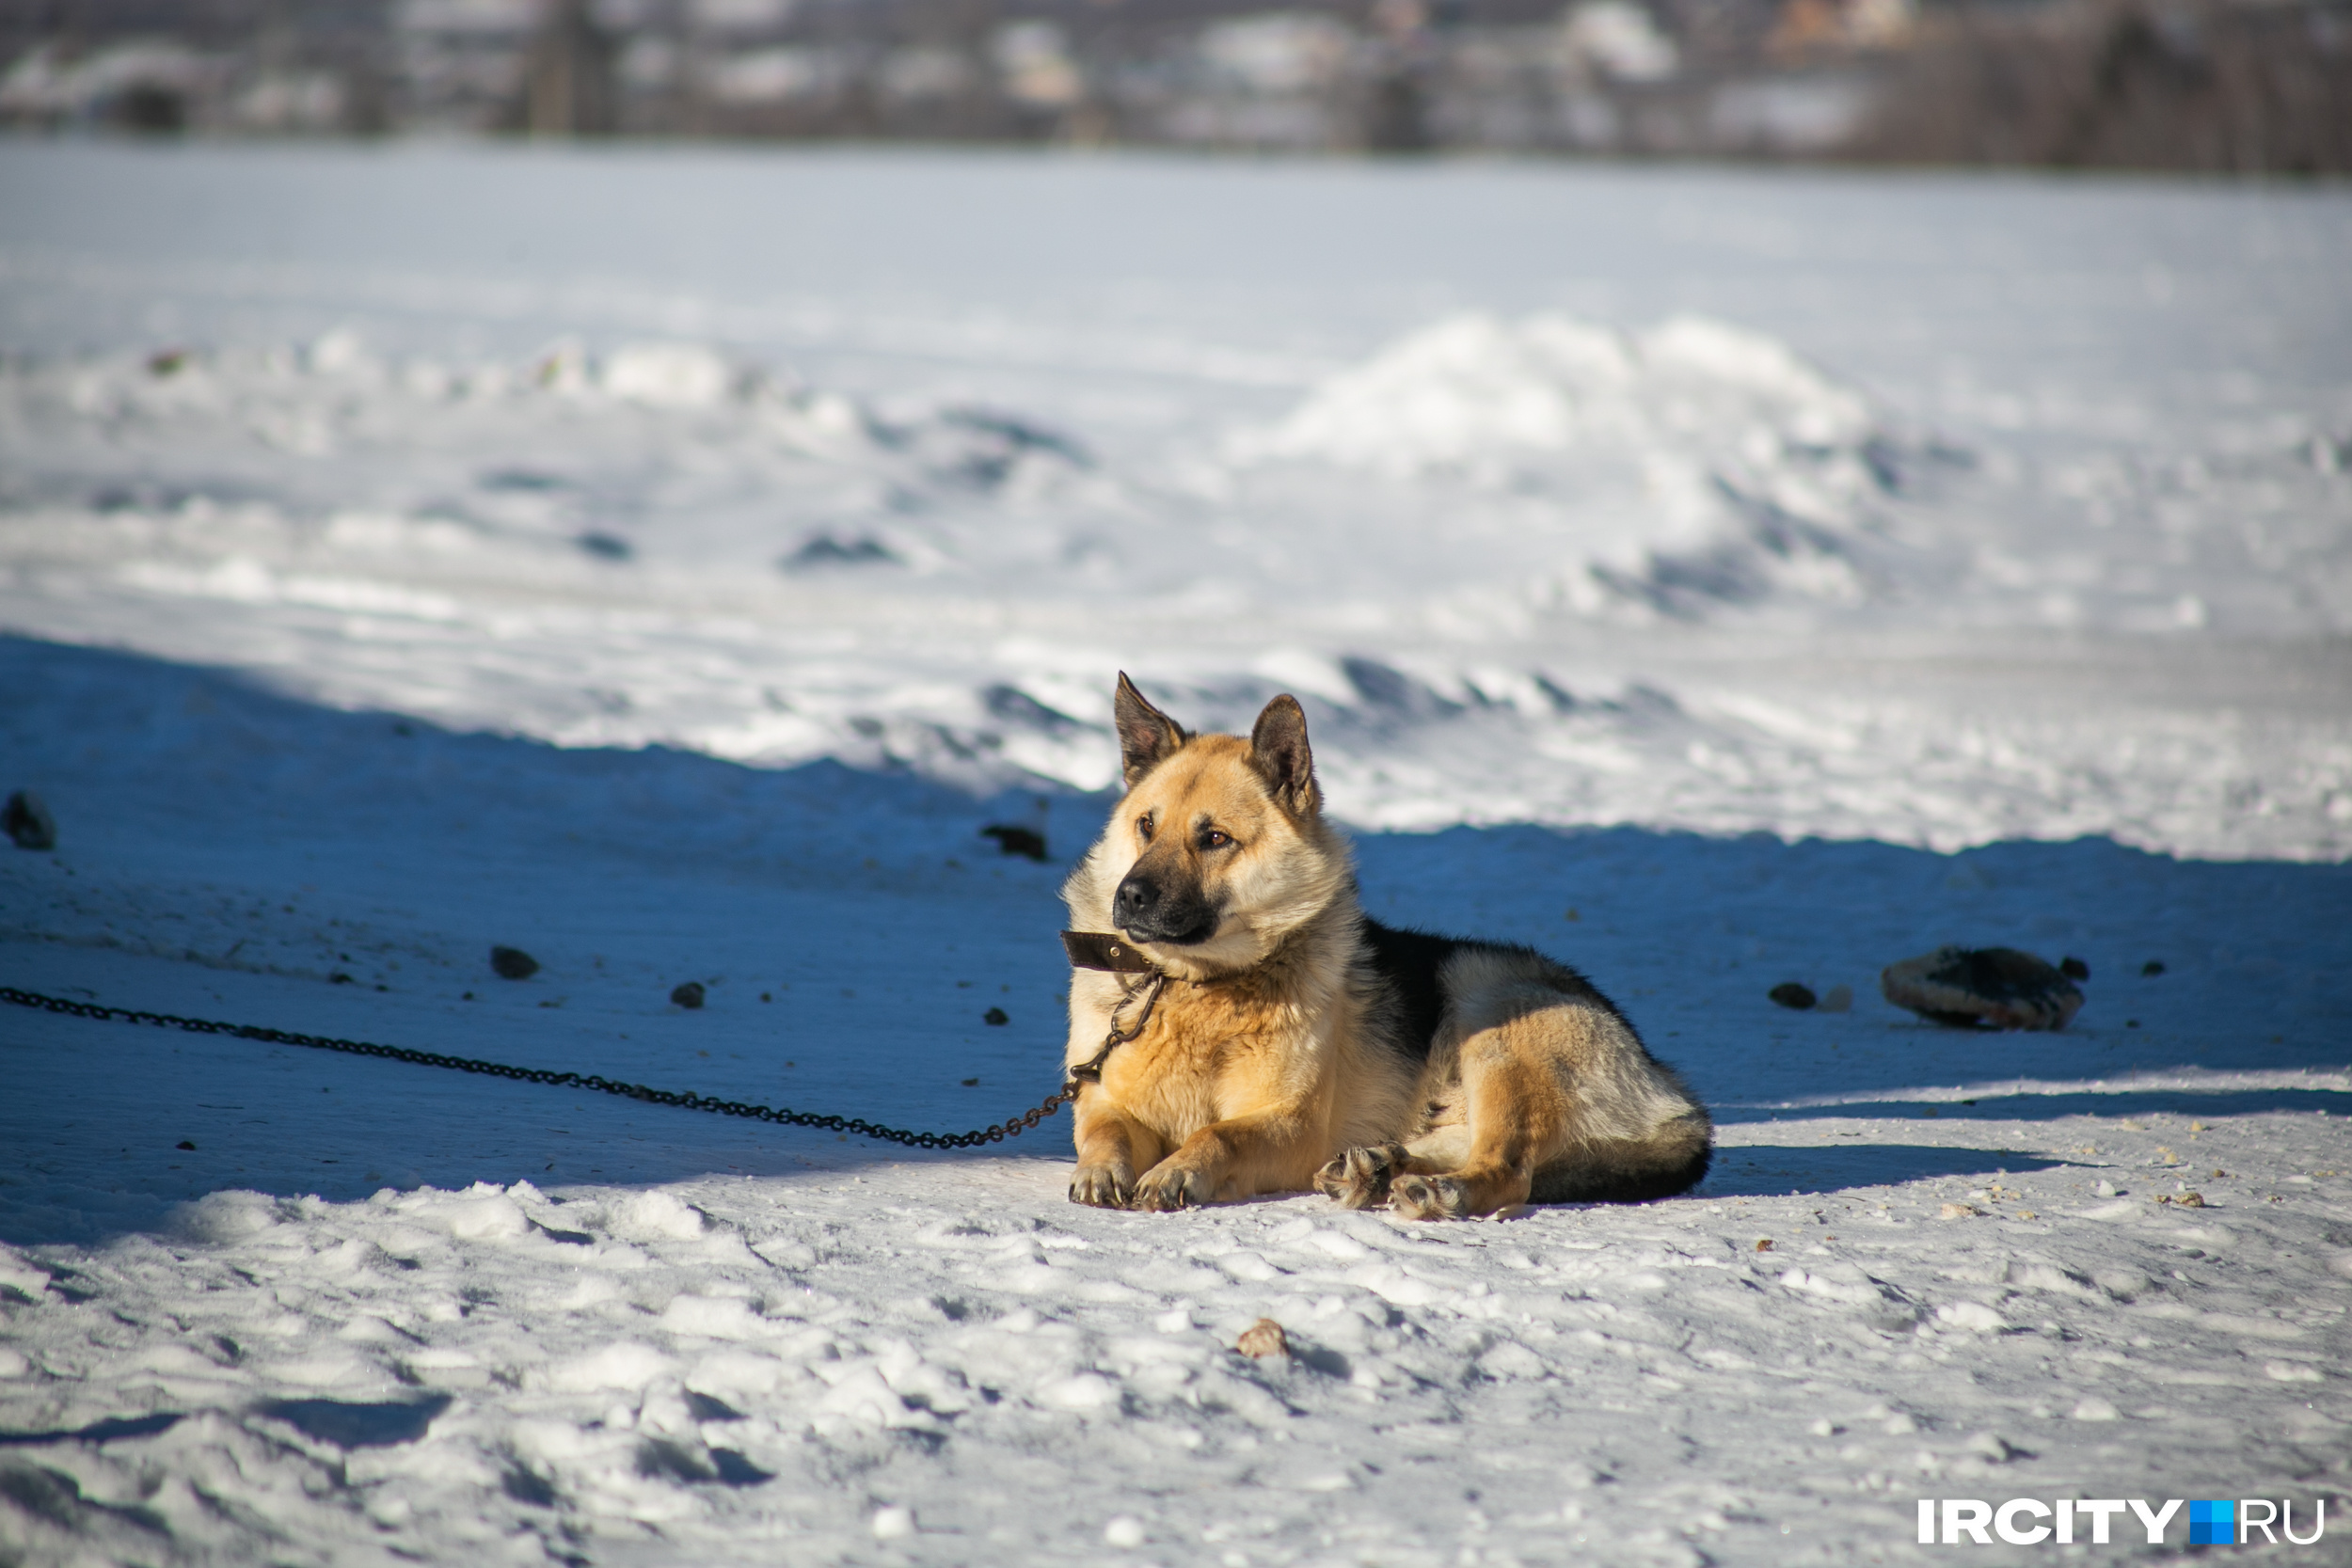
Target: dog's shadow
1776, 1170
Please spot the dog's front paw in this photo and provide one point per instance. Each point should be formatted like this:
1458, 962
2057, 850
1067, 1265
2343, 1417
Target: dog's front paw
1359, 1178
1170, 1186
1429, 1198
1102, 1186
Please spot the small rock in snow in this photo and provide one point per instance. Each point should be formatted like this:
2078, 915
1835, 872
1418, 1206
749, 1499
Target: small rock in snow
28, 822
2183, 1200
1015, 840
1262, 1338
1958, 1211
892, 1524
1764, 1244
2095, 1409
688, 995
1993, 1448
1789, 994
1125, 1531
2106, 1189
1997, 988
512, 963
823, 549
1837, 999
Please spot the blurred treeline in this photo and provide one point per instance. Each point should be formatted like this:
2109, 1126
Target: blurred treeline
2249, 86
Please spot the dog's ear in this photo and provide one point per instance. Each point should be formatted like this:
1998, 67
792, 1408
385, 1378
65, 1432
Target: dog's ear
1278, 747
1146, 735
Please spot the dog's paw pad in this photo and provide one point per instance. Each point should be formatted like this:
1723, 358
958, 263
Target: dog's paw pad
1163, 1192
1428, 1198
1359, 1178
1099, 1188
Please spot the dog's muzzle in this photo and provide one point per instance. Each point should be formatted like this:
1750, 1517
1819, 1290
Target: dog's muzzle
1148, 910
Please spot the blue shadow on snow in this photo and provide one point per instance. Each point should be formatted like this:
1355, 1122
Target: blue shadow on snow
1686, 932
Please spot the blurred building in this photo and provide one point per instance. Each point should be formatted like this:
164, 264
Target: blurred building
258, 66
2248, 85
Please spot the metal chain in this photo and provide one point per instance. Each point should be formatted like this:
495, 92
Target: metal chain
688, 1101
1091, 1071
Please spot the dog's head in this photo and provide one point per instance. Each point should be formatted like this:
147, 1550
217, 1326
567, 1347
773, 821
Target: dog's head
1220, 849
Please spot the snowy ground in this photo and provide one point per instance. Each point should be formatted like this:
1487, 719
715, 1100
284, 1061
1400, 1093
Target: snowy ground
666, 563
1936, 512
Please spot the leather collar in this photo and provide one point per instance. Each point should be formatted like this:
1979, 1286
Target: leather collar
1105, 950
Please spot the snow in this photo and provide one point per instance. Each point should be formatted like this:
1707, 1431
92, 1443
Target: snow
1955, 556
667, 564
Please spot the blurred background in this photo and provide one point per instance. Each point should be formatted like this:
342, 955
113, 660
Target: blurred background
2241, 86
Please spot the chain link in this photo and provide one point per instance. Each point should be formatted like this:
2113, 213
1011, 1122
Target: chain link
688, 1101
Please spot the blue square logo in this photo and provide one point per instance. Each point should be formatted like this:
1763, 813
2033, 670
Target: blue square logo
2212, 1523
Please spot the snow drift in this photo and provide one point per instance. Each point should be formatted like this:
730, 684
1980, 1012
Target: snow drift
1687, 468
1526, 570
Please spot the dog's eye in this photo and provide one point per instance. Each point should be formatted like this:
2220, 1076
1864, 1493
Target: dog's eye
1143, 826
1213, 839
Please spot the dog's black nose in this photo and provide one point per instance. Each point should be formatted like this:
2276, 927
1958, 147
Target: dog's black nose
1154, 908
1133, 904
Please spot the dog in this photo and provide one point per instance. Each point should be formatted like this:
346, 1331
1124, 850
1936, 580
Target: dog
1259, 1034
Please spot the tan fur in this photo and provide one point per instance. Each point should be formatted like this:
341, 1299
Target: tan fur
1270, 1061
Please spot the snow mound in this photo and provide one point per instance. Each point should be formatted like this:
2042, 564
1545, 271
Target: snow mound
1693, 462
1474, 390
654, 1216
674, 375
1448, 551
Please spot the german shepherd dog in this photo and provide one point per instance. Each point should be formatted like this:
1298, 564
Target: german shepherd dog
1274, 1039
